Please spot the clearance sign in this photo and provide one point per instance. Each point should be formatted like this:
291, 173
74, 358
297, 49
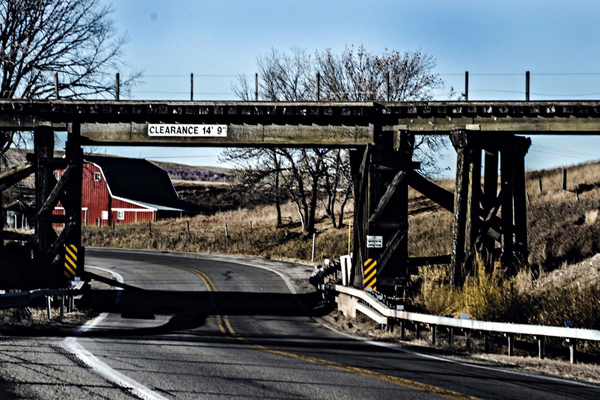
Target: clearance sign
190, 130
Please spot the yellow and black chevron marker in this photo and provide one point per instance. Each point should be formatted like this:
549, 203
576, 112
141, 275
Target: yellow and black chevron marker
71, 261
370, 274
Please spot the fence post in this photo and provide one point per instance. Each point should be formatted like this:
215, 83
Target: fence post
118, 87
387, 78
188, 228
540, 186
527, 82
56, 91
312, 258
256, 86
226, 231
466, 85
150, 228
318, 86
192, 86
564, 179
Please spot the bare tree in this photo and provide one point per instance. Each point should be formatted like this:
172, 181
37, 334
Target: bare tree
257, 174
353, 75
75, 39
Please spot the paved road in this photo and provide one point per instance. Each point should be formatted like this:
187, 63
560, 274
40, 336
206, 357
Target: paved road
196, 328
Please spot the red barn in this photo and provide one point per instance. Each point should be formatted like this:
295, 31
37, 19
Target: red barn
125, 190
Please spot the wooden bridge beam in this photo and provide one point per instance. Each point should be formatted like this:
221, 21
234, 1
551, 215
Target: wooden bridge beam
381, 210
471, 232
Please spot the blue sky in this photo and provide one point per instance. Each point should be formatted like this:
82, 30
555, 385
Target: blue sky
558, 41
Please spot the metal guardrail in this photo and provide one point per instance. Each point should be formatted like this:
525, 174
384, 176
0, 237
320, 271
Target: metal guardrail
475, 325
375, 306
24, 298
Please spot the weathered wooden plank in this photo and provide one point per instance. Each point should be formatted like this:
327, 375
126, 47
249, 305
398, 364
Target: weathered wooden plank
508, 176
460, 215
520, 207
15, 174
430, 190
429, 260
44, 181
474, 195
239, 135
24, 237
387, 196
59, 243
390, 249
55, 194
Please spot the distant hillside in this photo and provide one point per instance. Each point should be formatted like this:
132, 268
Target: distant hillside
184, 172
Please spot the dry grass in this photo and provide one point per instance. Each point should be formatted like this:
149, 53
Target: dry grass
249, 232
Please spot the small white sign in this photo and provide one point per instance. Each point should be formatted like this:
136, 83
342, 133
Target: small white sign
374, 242
193, 130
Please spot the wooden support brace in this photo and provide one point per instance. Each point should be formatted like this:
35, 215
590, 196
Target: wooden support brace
56, 193
59, 242
24, 237
432, 191
16, 174
387, 196
390, 249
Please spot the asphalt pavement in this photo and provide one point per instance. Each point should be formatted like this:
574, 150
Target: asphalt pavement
195, 327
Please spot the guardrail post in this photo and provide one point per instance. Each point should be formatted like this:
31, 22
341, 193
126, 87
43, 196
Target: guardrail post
511, 345
541, 342
402, 330
62, 306
450, 336
467, 341
433, 333
572, 350
48, 306
488, 345
417, 331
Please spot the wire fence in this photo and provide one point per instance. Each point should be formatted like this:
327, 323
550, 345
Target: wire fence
510, 86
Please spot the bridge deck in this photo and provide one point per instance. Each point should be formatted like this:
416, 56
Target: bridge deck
320, 123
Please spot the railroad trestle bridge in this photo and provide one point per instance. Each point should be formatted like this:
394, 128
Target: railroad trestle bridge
380, 135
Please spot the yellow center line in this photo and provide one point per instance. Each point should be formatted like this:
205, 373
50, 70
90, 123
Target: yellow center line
226, 328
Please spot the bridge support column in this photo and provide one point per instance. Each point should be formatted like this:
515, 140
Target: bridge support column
381, 212
43, 139
491, 223
50, 247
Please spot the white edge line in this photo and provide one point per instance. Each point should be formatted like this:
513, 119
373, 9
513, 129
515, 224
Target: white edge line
98, 367
465, 364
118, 278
